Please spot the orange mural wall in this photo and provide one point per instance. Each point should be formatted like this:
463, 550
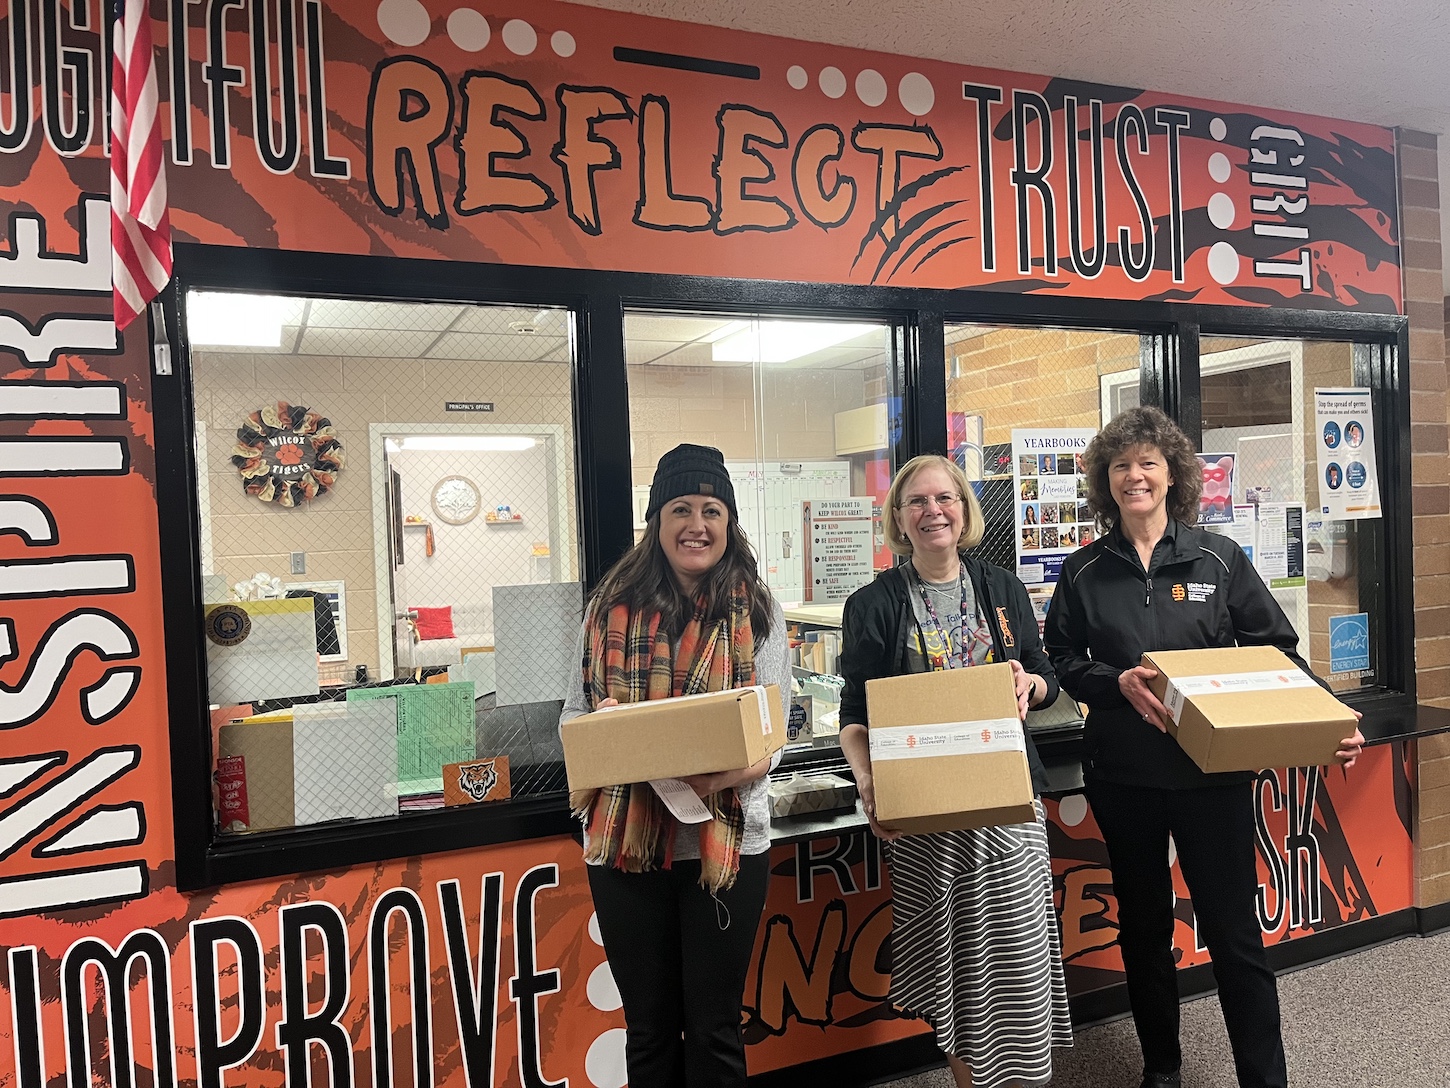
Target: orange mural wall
554, 135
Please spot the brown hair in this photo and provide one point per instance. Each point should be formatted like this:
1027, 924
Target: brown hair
973, 525
1143, 427
644, 580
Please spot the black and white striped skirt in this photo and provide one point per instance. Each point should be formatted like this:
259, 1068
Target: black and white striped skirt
976, 949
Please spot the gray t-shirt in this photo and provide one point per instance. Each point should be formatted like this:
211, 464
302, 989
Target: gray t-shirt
951, 601
772, 666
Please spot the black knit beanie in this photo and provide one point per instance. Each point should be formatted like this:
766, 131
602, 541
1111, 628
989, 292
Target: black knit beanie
691, 470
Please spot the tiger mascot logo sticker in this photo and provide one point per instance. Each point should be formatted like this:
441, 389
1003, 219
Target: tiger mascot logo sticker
467, 783
477, 779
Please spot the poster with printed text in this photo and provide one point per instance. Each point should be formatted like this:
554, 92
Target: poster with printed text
838, 556
1279, 553
1348, 478
1216, 503
1050, 499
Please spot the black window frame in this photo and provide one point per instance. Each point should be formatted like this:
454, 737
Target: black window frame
598, 299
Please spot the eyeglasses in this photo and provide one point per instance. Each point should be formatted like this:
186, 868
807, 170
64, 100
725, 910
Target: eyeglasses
918, 504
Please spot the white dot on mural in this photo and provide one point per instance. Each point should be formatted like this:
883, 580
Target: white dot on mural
562, 43
604, 1062
1219, 167
1172, 850
871, 87
594, 930
1217, 128
468, 30
1072, 809
833, 82
404, 22
1223, 262
602, 990
916, 93
1221, 210
519, 36
797, 76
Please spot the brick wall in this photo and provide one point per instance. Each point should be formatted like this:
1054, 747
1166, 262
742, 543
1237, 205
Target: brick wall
1035, 377
1429, 428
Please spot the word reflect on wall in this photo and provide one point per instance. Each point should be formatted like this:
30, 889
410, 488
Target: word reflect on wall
1037, 185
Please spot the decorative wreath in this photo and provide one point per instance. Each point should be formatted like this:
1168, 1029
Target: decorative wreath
287, 453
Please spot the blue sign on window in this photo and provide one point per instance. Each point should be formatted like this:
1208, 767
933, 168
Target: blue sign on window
1349, 642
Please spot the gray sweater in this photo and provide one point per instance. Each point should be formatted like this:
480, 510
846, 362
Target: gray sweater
772, 666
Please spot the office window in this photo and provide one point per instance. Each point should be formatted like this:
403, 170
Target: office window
806, 415
388, 543
1270, 488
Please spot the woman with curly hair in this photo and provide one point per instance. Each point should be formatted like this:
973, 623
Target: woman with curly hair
684, 611
1115, 600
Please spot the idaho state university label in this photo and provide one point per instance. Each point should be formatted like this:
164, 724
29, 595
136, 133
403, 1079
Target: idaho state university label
947, 739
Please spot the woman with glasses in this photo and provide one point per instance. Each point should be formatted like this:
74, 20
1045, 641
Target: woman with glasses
974, 940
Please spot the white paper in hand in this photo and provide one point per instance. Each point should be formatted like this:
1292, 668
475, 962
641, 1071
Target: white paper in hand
684, 804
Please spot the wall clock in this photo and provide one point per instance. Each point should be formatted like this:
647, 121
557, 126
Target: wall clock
456, 500
286, 453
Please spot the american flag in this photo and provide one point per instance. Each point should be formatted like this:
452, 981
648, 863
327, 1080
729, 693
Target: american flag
140, 223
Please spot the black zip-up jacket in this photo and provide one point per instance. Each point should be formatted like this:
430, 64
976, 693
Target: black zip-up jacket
874, 631
1199, 591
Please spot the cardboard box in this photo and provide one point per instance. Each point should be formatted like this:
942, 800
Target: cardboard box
1244, 708
672, 738
948, 751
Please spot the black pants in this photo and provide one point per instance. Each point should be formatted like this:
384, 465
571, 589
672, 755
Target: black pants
680, 958
1213, 831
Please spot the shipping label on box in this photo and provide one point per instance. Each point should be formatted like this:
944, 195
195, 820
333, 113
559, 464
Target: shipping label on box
948, 751
1245, 708
673, 738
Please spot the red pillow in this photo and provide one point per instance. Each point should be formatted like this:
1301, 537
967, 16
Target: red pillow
435, 622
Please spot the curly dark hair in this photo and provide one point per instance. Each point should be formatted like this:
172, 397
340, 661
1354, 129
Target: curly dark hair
1143, 427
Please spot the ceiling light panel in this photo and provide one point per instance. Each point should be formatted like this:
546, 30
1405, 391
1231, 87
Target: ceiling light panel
339, 313
367, 343
496, 348
677, 328
505, 319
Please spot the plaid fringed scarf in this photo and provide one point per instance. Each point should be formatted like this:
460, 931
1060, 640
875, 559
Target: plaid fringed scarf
627, 657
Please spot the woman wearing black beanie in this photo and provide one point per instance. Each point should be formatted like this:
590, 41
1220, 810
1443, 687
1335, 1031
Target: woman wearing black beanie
684, 611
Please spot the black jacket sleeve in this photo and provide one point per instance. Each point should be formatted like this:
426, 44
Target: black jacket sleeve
1067, 641
865, 654
1257, 618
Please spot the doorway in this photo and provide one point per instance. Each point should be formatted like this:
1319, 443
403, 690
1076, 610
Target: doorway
471, 507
